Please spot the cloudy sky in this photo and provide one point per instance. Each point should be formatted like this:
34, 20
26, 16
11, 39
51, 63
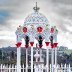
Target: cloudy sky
13, 13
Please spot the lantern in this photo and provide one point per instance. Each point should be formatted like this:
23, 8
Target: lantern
24, 29
39, 29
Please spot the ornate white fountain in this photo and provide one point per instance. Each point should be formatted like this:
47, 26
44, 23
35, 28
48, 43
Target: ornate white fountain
36, 26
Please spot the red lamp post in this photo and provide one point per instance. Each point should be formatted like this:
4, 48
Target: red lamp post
24, 29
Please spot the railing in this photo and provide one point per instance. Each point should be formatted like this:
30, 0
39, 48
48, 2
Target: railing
13, 68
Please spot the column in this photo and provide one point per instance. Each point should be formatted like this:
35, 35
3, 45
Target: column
47, 53
31, 43
31, 58
26, 60
55, 53
18, 59
40, 55
52, 60
40, 60
18, 45
55, 59
47, 59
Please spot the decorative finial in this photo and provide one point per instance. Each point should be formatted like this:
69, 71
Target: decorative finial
36, 8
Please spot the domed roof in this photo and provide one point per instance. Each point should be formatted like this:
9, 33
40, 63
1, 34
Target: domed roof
36, 18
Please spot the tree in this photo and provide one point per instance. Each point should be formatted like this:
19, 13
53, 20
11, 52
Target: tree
0, 54
12, 55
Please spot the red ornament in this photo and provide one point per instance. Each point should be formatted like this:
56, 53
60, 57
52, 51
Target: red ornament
55, 44
40, 46
47, 43
39, 29
18, 44
52, 30
31, 43
26, 45
52, 45
24, 29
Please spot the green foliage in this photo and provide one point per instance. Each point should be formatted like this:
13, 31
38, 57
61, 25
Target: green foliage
0, 54
12, 54
65, 58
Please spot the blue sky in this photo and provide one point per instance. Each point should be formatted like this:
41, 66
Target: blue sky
13, 13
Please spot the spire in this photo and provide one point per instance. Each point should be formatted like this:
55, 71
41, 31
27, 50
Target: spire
36, 8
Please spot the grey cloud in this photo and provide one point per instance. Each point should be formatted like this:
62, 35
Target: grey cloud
5, 43
63, 1
64, 12
62, 27
63, 8
70, 33
16, 7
